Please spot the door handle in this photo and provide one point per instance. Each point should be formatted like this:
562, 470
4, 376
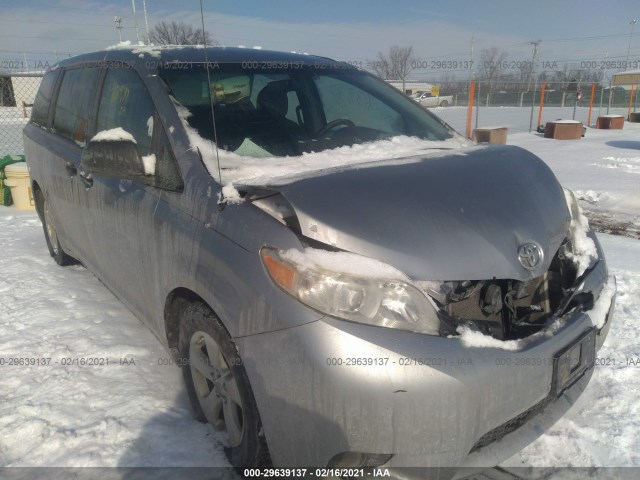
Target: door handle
88, 181
72, 171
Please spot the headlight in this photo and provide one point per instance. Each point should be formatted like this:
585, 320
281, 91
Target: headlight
352, 287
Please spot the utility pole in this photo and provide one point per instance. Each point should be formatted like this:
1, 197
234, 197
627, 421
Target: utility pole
604, 75
534, 52
146, 22
118, 21
471, 61
632, 23
135, 19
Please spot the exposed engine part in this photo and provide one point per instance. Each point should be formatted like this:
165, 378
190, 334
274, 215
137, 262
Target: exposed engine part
492, 298
445, 292
508, 309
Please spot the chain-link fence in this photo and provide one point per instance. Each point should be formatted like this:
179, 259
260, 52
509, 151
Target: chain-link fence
517, 105
17, 93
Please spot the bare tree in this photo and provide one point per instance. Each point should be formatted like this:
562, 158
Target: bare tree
396, 65
178, 33
493, 60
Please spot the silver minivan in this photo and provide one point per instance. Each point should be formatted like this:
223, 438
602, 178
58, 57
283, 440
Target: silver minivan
343, 279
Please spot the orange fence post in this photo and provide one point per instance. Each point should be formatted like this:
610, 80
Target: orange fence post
472, 93
630, 102
544, 84
593, 94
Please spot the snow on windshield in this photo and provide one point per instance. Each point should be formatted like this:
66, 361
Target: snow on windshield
261, 169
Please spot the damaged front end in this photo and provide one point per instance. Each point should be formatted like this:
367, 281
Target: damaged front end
505, 309
514, 309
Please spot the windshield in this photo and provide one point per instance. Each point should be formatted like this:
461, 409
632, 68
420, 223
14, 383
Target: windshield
265, 112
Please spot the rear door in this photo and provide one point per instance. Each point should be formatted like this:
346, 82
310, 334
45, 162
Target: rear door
72, 117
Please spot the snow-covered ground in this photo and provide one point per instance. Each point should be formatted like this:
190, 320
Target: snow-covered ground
58, 409
63, 411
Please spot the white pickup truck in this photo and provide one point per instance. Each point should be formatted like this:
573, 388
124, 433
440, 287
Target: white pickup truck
427, 100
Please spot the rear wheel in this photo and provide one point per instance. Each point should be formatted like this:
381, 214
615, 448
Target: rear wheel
218, 386
444, 103
50, 232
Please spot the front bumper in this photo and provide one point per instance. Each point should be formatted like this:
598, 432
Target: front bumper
331, 386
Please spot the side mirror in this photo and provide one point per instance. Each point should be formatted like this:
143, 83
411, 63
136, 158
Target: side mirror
113, 158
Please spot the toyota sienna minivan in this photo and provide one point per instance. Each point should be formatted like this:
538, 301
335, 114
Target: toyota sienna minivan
344, 280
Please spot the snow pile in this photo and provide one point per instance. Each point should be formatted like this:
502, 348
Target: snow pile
149, 162
229, 194
474, 339
598, 313
584, 252
590, 196
114, 135
626, 164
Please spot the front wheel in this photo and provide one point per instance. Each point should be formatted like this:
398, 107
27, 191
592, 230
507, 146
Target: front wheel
50, 232
218, 386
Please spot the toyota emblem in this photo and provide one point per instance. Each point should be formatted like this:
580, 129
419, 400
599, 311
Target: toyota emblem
529, 255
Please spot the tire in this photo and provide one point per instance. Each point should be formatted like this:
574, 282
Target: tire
218, 386
444, 103
50, 232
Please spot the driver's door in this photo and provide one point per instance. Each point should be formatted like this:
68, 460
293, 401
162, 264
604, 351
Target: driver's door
120, 214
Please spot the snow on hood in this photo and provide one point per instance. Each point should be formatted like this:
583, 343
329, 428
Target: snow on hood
272, 171
262, 171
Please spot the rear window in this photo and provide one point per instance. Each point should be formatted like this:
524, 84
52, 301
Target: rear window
74, 103
40, 110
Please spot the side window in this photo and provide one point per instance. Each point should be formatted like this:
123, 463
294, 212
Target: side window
73, 107
40, 110
125, 103
167, 172
343, 100
294, 103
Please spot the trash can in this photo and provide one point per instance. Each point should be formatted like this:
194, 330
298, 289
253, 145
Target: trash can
5, 191
18, 180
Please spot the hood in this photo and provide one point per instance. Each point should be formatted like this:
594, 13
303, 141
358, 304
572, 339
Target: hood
462, 216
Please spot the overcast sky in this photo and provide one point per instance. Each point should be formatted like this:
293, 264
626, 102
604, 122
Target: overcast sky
578, 31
